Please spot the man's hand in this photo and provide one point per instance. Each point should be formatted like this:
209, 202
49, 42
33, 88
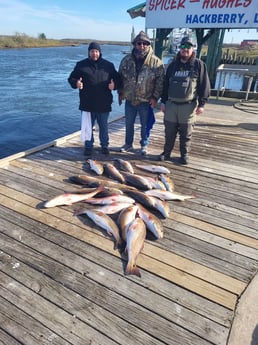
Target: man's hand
79, 84
153, 102
111, 85
199, 110
162, 107
120, 98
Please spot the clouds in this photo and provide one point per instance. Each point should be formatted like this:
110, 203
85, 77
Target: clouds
62, 19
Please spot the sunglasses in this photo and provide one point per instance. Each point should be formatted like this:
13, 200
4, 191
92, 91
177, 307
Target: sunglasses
142, 43
186, 46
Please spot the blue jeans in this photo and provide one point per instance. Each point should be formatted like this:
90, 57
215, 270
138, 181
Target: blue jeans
131, 112
102, 120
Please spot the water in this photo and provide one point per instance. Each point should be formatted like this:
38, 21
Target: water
37, 103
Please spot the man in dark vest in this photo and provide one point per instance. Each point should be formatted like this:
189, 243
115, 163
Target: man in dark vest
186, 90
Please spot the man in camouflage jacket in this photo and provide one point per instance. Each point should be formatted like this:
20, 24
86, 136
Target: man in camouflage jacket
142, 76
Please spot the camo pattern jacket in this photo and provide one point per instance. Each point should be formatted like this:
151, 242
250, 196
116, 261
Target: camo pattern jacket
147, 84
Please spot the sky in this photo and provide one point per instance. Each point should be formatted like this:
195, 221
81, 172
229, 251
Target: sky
97, 19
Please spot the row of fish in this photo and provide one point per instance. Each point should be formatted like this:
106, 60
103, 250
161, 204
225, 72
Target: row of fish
131, 196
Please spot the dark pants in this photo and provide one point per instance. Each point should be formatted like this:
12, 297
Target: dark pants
131, 111
179, 119
102, 121
184, 130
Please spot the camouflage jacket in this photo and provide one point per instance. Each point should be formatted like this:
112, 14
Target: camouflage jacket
148, 83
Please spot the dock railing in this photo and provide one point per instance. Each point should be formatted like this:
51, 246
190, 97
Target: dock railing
224, 71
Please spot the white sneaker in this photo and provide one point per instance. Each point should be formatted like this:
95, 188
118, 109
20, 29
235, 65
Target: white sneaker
126, 148
144, 150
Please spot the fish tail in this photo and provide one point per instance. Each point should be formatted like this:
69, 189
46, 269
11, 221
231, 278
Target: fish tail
132, 269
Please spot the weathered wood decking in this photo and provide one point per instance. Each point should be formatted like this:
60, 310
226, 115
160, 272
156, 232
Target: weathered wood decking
61, 282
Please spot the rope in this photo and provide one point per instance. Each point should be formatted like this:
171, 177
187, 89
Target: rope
250, 106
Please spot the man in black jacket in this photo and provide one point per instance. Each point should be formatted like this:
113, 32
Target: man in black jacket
95, 78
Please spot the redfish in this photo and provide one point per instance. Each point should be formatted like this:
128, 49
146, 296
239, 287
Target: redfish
167, 195
153, 223
126, 216
96, 166
112, 172
70, 198
154, 168
105, 222
114, 208
135, 236
110, 200
125, 165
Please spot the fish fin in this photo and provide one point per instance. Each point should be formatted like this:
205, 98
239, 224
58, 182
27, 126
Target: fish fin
132, 270
118, 245
122, 248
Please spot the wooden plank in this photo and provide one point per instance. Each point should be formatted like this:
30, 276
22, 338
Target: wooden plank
176, 275
170, 291
63, 323
21, 328
7, 339
110, 288
222, 260
218, 231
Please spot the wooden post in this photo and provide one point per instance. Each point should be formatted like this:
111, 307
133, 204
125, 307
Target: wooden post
214, 54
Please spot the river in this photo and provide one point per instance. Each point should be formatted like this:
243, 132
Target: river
37, 103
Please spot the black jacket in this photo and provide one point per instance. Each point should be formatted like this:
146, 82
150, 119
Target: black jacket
96, 75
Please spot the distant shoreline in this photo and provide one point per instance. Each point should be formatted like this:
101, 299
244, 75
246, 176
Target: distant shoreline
24, 41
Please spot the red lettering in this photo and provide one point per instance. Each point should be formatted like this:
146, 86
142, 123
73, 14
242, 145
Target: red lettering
231, 3
247, 3
158, 2
151, 5
166, 5
173, 4
226, 3
181, 4
205, 4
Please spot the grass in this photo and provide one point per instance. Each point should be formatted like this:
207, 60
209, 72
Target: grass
25, 41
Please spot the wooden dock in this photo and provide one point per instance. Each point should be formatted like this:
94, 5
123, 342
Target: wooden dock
62, 282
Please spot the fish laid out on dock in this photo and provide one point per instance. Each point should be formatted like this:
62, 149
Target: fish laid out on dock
113, 172
157, 169
137, 181
132, 199
125, 165
105, 222
153, 223
69, 199
156, 183
135, 237
96, 166
169, 184
114, 208
126, 216
162, 206
115, 198
167, 195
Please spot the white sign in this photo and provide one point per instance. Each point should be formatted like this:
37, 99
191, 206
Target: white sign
202, 14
